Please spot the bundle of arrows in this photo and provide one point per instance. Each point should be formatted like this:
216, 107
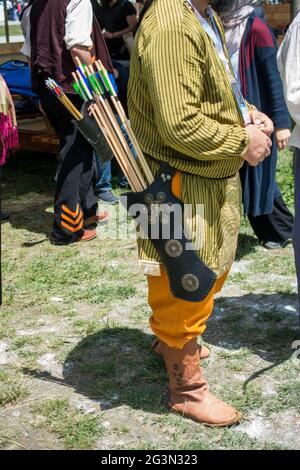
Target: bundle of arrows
93, 84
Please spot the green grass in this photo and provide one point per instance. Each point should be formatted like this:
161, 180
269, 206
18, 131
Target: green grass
282, 265
102, 339
6, 331
243, 400
106, 292
236, 361
287, 397
14, 30
241, 441
229, 439
11, 390
33, 340
77, 430
284, 177
85, 327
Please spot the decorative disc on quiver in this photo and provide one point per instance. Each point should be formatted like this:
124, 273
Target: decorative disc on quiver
190, 282
161, 196
148, 198
173, 248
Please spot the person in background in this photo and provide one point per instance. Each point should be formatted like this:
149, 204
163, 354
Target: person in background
139, 5
25, 26
60, 30
117, 18
9, 7
19, 9
252, 48
8, 131
103, 186
288, 60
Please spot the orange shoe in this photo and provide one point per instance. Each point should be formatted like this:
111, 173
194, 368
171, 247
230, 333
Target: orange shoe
87, 236
100, 218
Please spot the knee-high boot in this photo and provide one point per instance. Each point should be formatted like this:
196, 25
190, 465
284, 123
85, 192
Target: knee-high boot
189, 394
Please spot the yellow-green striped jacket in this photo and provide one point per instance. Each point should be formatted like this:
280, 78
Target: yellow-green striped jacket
183, 112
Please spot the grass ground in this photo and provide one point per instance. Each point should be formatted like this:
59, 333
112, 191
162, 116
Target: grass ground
14, 30
76, 369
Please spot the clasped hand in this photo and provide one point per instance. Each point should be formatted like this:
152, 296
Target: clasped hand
259, 131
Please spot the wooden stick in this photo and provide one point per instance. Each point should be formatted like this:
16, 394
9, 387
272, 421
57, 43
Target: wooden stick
65, 103
72, 109
111, 145
63, 98
78, 83
83, 84
80, 66
68, 103
91, 74
143, 162
135, 176
71, 105
115, 149
120, 111
100, 101
120, 153
104, 103
129, 171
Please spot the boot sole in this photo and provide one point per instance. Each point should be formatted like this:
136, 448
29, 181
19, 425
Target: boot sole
229, 423
236, 420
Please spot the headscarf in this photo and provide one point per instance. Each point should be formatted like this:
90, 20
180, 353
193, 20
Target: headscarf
235, 21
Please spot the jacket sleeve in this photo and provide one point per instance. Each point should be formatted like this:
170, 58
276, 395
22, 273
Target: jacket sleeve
289, 66
266, 52
79, 24
173, 69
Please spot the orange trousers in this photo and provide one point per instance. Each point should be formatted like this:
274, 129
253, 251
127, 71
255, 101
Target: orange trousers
175, 321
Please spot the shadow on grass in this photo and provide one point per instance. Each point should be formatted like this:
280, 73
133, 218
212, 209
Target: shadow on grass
258, 322
33, 217
27, 191
116, 366
247, 245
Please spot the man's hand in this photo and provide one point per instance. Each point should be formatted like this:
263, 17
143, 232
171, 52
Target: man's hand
262, 121
259, 146
107, 34
282, 137
83, 53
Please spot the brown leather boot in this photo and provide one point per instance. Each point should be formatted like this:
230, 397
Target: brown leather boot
203, 350
189, 395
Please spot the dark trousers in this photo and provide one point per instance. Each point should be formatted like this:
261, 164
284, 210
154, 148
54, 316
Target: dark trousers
275, 227
74, 196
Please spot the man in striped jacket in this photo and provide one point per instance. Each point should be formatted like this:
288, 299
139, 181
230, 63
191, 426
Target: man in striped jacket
185, 110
